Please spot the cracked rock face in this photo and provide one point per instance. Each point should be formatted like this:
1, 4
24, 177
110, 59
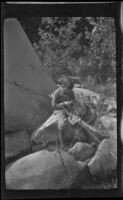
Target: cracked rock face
26, 83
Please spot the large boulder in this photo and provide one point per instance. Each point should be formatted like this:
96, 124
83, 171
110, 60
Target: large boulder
104, 162
47, 170
16, 144
26, 82
82, 151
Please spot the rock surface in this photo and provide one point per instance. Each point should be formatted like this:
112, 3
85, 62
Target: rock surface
110, 123
16, 144
47, 170
82, 151
107, 120
81, 92
105, 159
27, 84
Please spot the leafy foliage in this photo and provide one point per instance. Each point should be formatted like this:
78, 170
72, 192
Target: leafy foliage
74, 46
102, 49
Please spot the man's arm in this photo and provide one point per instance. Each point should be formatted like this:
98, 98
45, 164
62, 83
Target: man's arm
53, 101
55, 98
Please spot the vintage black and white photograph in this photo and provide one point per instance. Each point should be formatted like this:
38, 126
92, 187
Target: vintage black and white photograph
60, 103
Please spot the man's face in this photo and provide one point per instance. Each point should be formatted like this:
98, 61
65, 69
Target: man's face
65, 84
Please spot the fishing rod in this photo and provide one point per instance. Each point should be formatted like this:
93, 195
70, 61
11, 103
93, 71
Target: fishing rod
80, 121
86, 126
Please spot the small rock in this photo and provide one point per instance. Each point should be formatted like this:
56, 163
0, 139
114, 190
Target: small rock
82, 151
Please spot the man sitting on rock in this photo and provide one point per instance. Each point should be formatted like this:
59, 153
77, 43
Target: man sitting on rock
62, 98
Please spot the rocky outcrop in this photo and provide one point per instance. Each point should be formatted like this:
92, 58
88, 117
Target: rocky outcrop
104, 161
27, 84
47, 170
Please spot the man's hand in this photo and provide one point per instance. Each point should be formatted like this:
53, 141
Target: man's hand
65, 103
58, 105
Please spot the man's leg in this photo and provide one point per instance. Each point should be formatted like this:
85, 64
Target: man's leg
61, 128
60, 139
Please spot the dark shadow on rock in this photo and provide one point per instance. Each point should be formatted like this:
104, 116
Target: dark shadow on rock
14, 158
